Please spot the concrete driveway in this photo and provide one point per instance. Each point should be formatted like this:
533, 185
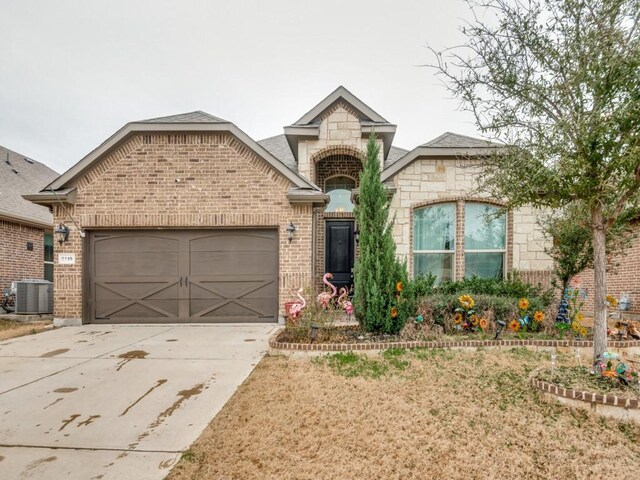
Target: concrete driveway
116, 402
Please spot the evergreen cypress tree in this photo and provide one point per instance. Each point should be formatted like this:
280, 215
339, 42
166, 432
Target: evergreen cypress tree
377, 271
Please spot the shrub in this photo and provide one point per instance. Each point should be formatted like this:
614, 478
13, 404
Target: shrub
511, 287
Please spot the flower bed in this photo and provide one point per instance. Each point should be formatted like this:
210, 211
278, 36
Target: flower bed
279, 342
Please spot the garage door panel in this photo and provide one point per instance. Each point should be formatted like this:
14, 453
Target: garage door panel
134, 242
242, 241
133, 264
145, 311
221, 288
226, 310
206, 263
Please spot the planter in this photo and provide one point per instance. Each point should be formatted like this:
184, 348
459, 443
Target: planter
611, 406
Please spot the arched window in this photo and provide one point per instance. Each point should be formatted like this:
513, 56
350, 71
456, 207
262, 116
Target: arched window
484, 242
485, 232
339, 191
434, 239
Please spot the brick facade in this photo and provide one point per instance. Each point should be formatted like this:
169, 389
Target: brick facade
183, 181
16, 261
623, 278
349, 164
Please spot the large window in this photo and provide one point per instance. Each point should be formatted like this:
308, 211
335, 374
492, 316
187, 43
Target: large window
434, 239
484, 241
339, 191
48, 256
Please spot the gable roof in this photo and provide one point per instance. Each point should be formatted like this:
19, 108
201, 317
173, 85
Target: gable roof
448, 144
186, 122
308, 126
368, 114
190, 117
455, 140
21, 175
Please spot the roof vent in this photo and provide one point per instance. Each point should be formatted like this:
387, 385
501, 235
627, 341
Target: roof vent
7, 161
28, 161
14, 171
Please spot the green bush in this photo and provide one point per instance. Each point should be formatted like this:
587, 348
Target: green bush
512, 287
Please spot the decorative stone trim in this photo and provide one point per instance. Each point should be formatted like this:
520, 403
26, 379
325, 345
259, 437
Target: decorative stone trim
342, 347
584, 396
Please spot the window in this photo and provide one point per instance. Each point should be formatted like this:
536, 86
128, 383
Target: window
484, 241
339, 191
48, 256
434, 239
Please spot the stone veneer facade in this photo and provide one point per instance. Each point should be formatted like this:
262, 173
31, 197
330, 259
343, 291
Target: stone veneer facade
436, 180
221, 184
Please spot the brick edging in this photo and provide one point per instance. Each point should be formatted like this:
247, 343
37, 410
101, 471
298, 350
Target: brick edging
584, 396
342, 347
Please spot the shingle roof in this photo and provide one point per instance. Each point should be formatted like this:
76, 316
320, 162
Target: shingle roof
190, 117
279, 148
455, 140
22, 176
396, 153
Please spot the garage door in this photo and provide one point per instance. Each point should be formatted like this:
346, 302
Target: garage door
183, 276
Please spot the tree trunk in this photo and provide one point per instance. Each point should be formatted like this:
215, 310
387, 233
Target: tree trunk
600, 283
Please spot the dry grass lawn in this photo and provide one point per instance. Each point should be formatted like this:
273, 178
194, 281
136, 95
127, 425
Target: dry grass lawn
407, 415
10, 329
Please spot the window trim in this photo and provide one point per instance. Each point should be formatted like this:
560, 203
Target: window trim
453, 252
461, 201
503, 251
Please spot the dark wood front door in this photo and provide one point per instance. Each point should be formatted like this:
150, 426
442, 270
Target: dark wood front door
339, 252
192, 276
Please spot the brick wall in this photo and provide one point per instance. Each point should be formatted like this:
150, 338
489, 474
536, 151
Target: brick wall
16, 262
624, 278
327, 167
184, 181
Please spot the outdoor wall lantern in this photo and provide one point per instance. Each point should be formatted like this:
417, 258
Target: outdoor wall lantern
501, 325
356, 234
291, 230
62, 233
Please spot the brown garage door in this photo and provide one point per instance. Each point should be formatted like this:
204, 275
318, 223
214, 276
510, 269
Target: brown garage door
183, 276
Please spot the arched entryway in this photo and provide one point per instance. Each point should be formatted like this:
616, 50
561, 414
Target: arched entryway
337, 172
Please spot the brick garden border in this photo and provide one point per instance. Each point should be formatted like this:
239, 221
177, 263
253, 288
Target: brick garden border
343, 347
584, 396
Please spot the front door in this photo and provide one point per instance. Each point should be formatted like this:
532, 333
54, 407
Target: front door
339, 252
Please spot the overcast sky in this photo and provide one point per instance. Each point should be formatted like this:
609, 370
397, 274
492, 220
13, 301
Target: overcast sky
73, 72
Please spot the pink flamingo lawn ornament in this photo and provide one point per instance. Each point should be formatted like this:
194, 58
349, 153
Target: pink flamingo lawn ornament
325, 297
296, 309
346, 305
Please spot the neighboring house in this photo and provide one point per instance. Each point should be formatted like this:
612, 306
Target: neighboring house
26, 230
187, 219
623, 278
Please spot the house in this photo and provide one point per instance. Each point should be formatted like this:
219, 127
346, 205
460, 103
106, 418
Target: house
26, 230
623, 279
187, 219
